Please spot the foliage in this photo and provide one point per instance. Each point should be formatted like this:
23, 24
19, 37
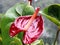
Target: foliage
52, 12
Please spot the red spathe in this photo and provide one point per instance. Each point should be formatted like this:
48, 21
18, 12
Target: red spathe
33, 32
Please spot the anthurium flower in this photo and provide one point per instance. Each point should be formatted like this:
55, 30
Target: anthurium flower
32, 26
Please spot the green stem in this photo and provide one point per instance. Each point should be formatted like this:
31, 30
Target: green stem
28, 44
56, 36
30, 2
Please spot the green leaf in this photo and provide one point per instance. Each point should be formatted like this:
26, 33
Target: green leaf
0, 42
20, 35
5, 35
1, 15
54, 20
52, 12
8, 19
28, 10
16, 41
41, 42
11, 13
36, 42
20, 8
6, 38
25, 9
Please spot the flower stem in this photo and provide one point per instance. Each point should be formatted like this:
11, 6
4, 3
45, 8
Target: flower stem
29, 44
23, 43
30, 1
56, 36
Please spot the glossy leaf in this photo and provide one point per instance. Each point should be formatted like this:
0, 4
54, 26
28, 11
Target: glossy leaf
20, 8
32, 33
52, 12
25, 9
11, 13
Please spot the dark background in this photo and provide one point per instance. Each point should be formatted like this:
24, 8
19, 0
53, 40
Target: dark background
50, 29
